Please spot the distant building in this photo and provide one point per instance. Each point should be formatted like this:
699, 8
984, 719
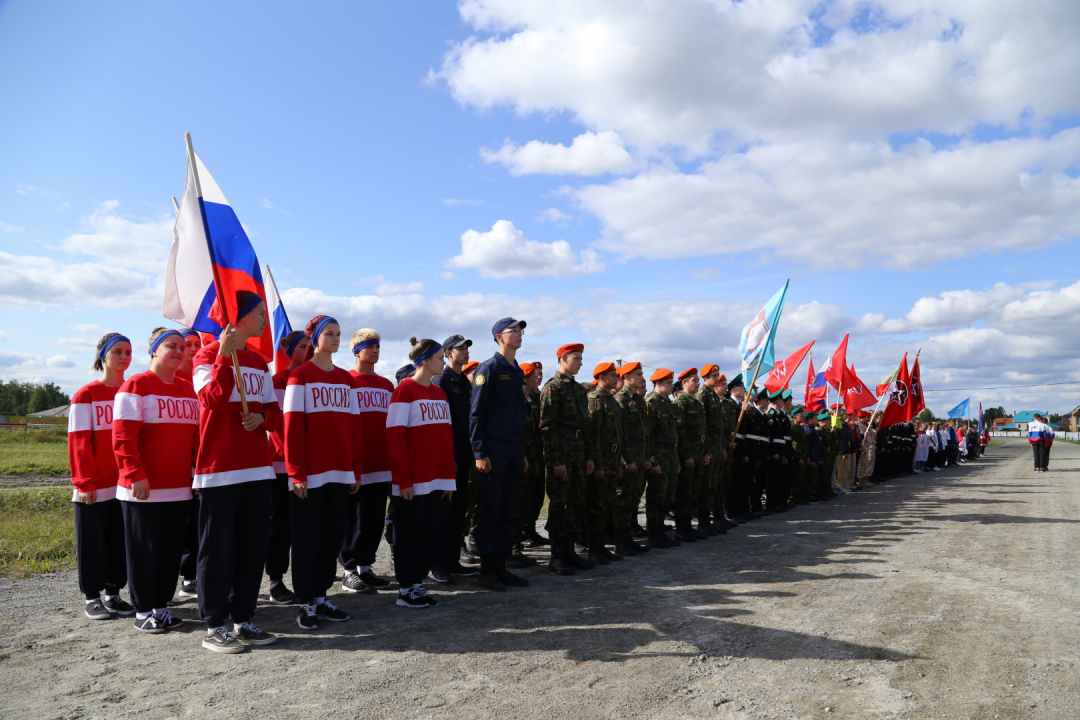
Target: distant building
56, 412
1021, 420
1074, 420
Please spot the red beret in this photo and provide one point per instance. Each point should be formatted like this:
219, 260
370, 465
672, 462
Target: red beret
722, 378
538, 365
688, 372
469, 367
566, 349
661, 374
628, 368
527, 368
710, 368
603, 368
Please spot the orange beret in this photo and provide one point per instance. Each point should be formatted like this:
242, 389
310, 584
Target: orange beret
709, 369
722, 378
603, 368
567, 349
527, 368
688, 372
469, 367
661, 374
628, 368
538, 365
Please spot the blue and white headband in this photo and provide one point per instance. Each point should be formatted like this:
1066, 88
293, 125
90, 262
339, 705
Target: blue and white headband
428, 355
295, 341
108, 346
366, 344
161, 338
247, 307
319, 329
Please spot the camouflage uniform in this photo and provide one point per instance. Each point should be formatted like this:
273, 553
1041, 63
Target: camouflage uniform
663, 440
690, 418
635, 451
532, 490
715, 442
725, 468
602, 494
564, 427
801, 490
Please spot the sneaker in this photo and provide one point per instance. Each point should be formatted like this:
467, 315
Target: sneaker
461, 571
115, 605
221, 640
442, 577
149, 625
188, 589
327, 610
168, 621
351, 582
96, 610
372, 580
431, 601
251, 635
414, 598
306, 618
280, 594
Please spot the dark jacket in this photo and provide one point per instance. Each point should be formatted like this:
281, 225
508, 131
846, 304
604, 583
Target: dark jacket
499, 411
458, 395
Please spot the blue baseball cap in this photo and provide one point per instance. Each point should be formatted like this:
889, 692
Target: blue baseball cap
507, 323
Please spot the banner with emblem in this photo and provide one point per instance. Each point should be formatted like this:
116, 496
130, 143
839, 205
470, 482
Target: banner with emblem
756, 344
783, 371
898, 408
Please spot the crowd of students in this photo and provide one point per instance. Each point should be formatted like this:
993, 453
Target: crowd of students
209, 468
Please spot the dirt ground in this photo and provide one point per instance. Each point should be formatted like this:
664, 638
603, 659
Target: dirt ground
943, 595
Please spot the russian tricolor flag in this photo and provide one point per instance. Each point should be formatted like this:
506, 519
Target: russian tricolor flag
279, 321
207, 240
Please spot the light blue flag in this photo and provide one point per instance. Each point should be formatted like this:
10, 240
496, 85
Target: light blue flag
757, 337
961, 410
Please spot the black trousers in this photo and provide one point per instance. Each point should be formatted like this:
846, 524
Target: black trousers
99, 547
234, 526
418, 532
449, 551
318, 527
280, 540
500, 491
738, 491
1042, 455
154, 535
774, 484
364, 522
189, 560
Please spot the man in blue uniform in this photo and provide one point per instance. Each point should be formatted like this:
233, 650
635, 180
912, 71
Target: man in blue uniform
497, 421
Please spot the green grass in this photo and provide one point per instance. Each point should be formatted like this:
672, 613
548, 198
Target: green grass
37, 531
995, 443
34, 452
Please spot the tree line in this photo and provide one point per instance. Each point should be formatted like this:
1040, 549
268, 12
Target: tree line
24, 398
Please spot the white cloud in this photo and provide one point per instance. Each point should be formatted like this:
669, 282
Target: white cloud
453, 202
27, 280
554, 215
142, 246
505, 252
3, 336
589, 154
4, 227
385, 287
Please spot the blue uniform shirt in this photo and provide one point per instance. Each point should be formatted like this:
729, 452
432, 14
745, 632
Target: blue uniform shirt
499, 409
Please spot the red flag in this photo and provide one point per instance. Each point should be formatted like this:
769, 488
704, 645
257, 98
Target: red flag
898, 407
837, 364
918, 402
809, 382
856, 395
815, 396
784, 370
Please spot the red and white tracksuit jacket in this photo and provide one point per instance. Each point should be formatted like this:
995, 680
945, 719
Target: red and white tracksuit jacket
90, 444
323, 440
420, 438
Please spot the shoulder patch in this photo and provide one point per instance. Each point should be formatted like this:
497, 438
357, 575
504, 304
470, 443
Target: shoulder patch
480, 379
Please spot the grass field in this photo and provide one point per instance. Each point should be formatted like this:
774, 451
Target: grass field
38, 452
37, 531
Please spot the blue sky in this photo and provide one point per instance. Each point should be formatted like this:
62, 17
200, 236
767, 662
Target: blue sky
917, 194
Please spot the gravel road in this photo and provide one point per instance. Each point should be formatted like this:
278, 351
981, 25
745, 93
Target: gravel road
943, 595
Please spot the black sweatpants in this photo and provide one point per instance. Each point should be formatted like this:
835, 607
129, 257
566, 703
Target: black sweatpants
189, 561
154, 535
364, 523
448, 554
418, 531
318, 527
1042, 454
99, 547
277, 546
234, 525
500, 491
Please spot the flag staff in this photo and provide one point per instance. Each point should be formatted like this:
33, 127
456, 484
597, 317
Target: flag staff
214, 266
746, 397
176, 206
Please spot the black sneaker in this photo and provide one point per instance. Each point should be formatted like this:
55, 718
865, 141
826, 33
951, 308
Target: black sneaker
251, 635
115, 605
372, 580
460, 570
442, 577
221, 640
307, 619
414, 598
188, 589
351, 582
280, 594
431, 601
149, 625
96, 610
169, 621
327, 610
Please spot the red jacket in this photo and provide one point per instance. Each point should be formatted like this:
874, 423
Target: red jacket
156, 436
277, 436
90, 450
420, 438
228, 453
373, 394
323, 440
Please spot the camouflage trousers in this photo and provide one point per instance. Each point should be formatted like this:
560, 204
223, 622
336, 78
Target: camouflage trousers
708, 486
660, 491
823, 484
602, 502
633, 487
723, 484
802, 488
532, 499
688, 488
566, 497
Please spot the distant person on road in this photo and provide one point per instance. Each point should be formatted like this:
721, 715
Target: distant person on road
1040, 437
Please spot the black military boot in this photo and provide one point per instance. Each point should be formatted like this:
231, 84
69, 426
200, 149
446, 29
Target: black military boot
685, 533
508, 578
489, 580
625, 545
518, 559
657, 539
558, 563
597, 551
705, 526
577, 561
641, 548
719, 526
535, 538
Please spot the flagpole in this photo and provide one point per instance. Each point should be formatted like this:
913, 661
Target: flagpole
176, 205
213, 266
746, 397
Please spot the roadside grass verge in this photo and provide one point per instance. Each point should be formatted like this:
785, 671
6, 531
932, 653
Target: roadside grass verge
37, 531
34, 452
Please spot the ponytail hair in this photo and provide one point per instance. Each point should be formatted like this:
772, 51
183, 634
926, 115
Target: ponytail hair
99, 365
422, 350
